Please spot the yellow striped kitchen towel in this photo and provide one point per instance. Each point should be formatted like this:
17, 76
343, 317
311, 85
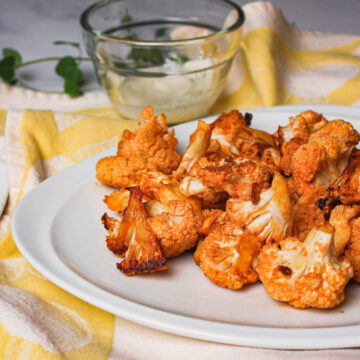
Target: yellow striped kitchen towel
278, 64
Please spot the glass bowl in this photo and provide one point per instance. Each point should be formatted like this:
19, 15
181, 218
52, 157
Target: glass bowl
171, 54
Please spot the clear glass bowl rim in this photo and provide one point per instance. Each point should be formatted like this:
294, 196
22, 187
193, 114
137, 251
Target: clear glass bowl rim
223, 32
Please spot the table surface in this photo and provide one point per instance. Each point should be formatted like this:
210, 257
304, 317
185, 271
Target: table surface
32, 26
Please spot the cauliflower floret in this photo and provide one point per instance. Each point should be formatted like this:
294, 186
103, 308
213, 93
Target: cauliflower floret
290, 137
307, 213
305, 274
152, 142
270, 218
252, 143
174, 218
175, 225
225, 256
150, 182
197, 148
347, 187
152, 147
352, 251
225, 131
211, 219
239, 177
346, 221
300, 126
117, 200
118, 171
133, 237
340, 219
318, 163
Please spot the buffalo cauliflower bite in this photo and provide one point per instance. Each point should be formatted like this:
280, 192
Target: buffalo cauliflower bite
175, 225
238, 177
300, 127
252, 143
133, 237
352, 251
152, 142
150, 182
347, 187
307, 213
197, 148
118, 171
225, 130
340, 219
346, 221
211, 218
305, 274
319, 162
270, 219
117, 200
290, 137
151, 147
175, 219
225, 256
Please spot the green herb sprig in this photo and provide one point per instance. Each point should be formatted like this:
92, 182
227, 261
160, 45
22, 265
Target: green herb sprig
67, 67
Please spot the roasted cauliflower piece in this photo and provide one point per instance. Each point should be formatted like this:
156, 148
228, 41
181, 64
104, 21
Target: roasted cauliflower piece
346, 188
174, 219
290, 137
133, 238
150, 182
340, 219
211, 218
319, 162
252, 143
300, 127
307, 214
117, 200
197, 148
118, 171
225, 131
225, 256
305, 274
346, 221
270, 219
119, 234
152, 142
239, 177
352, 251
175, 225
151, 147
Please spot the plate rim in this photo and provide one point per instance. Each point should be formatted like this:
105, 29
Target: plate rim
246, 335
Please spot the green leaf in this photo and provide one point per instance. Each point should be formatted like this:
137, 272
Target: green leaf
126, 18
159, 32
7, 69
72, 89
147, 56
181, 59
14, 53
120, 65
68, 69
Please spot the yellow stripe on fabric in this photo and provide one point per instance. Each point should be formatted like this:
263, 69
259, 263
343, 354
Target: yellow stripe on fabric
104, 112
42, 129
39, 134
3, 113
265, 53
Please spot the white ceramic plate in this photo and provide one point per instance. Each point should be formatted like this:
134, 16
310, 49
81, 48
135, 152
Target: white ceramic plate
57, 228
4, 186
